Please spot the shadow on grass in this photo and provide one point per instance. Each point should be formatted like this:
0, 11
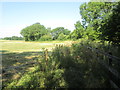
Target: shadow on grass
9, 59
3, 51
16, 64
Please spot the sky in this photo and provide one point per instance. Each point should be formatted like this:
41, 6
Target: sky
17, 15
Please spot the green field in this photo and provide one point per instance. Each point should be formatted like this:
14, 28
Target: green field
14, 52
22, 46
17, 56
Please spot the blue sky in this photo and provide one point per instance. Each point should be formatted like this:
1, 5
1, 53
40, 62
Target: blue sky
18, 15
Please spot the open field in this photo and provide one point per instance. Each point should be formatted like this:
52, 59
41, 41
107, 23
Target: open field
22, 46
20, 56
13, 51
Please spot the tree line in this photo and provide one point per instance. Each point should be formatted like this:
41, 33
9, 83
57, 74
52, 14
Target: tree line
12, 38
39, 32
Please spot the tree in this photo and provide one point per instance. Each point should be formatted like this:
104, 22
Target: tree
78, 32
16, 38
61, 37
57, 31
46, 37
33, 32
7, 38
111, 28
13, 38
93, 15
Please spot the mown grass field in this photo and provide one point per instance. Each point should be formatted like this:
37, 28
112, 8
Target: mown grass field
21, 51
17, 56
22, 46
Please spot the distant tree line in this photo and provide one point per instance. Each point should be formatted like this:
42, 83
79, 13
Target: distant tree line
38, 32
13, 38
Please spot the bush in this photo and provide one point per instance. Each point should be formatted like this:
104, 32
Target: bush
61, 37
46, 38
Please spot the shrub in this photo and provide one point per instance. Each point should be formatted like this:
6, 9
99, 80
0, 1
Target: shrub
61, 37
46, 38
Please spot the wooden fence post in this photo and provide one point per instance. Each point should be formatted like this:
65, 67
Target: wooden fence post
46, 54
110, 64
110, 60
97, 53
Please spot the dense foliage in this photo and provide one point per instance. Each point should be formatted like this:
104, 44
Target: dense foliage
47, 37
78, 32
101, 20
39, 32
34, 32
59, 30
111, 28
